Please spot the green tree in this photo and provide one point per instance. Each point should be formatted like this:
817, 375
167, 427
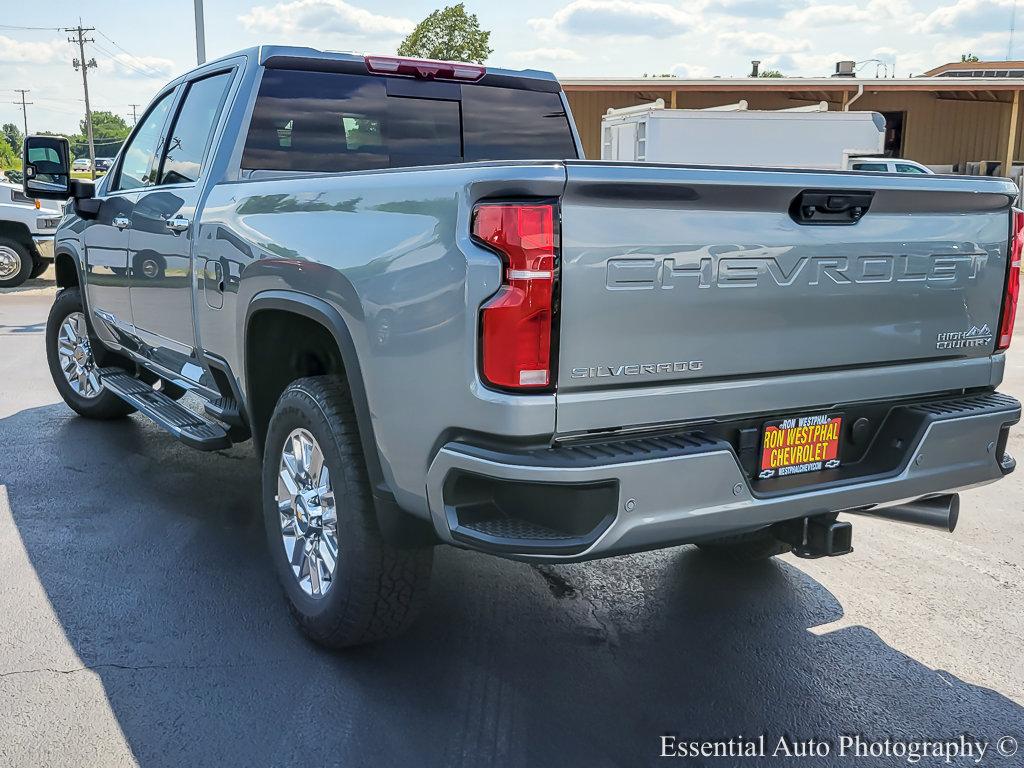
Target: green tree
9, 159
771, 73
450, 34
14, 136
968, 57
108, 132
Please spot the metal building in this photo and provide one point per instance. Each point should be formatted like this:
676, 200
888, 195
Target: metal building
950, 116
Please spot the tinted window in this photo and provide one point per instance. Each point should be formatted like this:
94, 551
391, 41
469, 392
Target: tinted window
870, 167
904, 168
188, 140
318, 121
140, 151
511, 124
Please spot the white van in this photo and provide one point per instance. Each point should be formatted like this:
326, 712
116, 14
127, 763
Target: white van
735, 135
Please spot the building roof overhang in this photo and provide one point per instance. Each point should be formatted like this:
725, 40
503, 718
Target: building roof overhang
806, 84
990, 89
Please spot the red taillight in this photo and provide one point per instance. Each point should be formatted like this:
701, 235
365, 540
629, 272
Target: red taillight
426, 69
517, 321
1012, 282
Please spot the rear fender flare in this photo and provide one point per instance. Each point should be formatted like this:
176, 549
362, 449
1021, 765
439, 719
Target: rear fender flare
330, 318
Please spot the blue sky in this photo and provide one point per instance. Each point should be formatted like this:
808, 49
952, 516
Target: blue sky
141, 45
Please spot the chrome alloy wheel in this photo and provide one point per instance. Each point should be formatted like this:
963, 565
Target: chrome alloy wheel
75, 354
309, 519
10, 262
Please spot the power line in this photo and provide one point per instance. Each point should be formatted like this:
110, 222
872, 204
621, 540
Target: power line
138, 60
32, 29
127, 64
24, 106
81, 40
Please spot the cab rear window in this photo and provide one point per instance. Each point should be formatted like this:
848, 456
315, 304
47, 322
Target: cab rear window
329, 122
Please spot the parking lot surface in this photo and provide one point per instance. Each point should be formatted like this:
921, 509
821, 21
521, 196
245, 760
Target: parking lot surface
141, 624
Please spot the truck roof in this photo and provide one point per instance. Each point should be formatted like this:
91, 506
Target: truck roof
293, 56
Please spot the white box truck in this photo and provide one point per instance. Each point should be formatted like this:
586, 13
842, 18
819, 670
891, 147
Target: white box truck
802, 137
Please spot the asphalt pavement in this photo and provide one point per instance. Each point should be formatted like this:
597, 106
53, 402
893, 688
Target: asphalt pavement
140, 624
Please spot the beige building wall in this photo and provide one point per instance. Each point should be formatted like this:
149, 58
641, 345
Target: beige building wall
936, 131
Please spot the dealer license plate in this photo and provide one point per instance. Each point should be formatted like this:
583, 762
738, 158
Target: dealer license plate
801, 444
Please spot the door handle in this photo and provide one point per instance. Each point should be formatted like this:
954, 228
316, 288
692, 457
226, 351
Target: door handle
823, 206
121, 222
178, 224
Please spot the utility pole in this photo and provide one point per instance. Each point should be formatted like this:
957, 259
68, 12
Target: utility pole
200, 34
1013, 25
81, 40
135, 119
23, 104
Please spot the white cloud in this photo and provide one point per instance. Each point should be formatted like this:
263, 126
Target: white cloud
616, 18
692, 71
547, 54
757, 9
154, 67
324, 16
806, 64
873, 13
969, 17
19, 52
761, 43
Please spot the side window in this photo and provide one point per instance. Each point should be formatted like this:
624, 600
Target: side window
323, 121
905, 168
140, 152
870, 167
193, 128
510, 124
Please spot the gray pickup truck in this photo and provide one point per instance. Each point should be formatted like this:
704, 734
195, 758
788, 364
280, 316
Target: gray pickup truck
439, 324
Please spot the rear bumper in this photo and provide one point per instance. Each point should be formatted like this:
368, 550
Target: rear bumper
648, 493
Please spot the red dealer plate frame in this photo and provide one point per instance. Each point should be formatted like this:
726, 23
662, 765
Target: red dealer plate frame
800, 445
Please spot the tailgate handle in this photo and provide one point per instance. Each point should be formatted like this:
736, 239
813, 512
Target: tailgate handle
824, 206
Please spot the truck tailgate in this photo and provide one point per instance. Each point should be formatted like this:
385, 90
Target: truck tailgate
687, 278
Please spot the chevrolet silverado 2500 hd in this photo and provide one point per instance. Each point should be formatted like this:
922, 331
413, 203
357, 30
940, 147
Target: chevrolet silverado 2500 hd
438, 323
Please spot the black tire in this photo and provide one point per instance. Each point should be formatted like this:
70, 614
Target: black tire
105, 405
40, 266
18, 251
378, 589
148, 266
745, 547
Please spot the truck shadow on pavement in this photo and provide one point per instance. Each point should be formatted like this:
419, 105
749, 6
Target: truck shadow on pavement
152, 558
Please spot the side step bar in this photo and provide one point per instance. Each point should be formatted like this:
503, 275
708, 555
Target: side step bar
184, 424
225, 409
